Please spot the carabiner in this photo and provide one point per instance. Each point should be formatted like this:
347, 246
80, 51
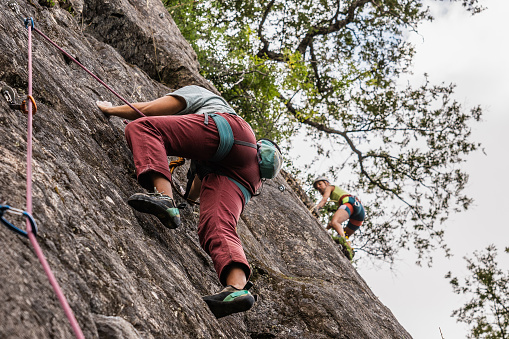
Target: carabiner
7, 208
29, 22
23, 106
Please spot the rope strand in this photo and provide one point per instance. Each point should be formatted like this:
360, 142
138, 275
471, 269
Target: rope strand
30, 105
33, 240
89, 72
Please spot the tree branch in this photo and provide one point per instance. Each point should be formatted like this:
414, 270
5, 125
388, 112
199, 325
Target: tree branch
335, 26
314, 65
264, 52
360, 156
331, 28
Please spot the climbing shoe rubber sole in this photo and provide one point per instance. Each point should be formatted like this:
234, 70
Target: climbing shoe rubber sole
346, 248
169, 216
229, 301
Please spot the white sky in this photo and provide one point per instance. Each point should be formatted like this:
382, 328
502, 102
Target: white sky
472, 52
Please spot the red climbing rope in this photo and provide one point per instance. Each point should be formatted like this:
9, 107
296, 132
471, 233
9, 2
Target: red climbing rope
86, 70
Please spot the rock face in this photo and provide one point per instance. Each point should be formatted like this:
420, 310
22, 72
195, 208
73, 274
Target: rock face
124, 274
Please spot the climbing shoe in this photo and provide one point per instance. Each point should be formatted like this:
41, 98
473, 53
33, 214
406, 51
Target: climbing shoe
159, 205
344, 245
230, 300
346, 248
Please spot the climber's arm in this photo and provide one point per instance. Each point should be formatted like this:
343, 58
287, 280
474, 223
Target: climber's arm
325, 196
167, 105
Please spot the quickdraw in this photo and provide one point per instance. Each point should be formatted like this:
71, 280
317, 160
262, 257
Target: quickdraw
7, 208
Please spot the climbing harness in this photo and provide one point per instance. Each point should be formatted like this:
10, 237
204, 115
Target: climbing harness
7, 208
268, 154
226, 141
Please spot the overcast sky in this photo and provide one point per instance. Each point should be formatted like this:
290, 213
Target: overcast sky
472, 52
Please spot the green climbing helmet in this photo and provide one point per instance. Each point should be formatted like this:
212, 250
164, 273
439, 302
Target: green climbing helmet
320, 178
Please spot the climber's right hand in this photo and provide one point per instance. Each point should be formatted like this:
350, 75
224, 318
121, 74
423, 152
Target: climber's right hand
104, 106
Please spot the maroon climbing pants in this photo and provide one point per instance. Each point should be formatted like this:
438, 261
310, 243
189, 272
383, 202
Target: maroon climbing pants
152, 139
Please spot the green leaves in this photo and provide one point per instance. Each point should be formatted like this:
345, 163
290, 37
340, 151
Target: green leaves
329, 70
487, 311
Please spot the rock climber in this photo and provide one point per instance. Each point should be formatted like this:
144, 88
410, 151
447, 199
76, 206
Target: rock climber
178, 124
348, 207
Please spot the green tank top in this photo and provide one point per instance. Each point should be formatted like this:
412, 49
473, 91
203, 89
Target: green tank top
336, 194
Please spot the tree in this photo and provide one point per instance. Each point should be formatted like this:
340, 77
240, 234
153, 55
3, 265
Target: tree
488, 287
329, 70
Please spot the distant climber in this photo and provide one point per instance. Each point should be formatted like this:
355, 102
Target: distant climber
184, 123
347, 207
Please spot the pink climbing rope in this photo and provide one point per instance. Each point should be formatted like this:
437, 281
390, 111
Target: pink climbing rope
30, 232
58, 291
